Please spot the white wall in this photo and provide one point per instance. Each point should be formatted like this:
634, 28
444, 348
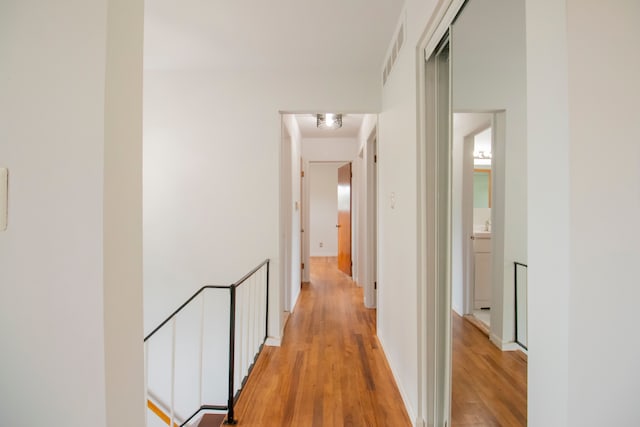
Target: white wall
549, 276
70, 260
294, 207
364, 274
211, 173
306, 206
604, 207
122, 213
323, 214
582, 292
397, 226
330, 149
489, 73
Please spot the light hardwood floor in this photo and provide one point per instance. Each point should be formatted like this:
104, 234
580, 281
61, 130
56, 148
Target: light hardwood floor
330, 369
489, 386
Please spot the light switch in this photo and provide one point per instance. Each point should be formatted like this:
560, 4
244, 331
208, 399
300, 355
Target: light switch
4, 196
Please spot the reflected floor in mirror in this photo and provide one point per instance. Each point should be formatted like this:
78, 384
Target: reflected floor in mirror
489, 386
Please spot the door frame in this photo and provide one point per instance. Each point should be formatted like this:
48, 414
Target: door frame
371, 246
305, 224
467, 215
286, 199
468, 269
434, 316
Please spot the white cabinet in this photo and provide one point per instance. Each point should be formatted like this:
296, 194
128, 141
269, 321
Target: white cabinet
482, 271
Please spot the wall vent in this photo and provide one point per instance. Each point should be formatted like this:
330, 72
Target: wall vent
393, 54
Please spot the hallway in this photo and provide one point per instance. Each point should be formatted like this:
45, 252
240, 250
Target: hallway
330, 369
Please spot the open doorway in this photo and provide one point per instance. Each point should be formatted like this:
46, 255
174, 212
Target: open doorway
345, 260
324, 209
471, 217
290, 217
308, 147
480, 198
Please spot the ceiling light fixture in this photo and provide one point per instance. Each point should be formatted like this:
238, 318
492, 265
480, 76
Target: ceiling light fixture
481, 155
329, 121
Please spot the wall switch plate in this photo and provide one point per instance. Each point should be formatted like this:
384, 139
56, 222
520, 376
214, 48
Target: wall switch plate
4, 197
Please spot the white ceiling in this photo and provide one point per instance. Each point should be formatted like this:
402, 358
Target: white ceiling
274, 34
351, 124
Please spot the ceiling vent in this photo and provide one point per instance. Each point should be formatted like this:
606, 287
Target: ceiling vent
393, 55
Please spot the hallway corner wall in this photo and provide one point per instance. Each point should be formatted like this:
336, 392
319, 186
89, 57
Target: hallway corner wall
211, 172
398, 291
365, 276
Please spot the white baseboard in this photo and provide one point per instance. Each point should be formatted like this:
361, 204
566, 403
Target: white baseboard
457, 311
407, 405
504, 346
273, 341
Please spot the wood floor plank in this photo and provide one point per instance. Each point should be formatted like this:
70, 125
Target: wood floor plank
489, 386
330, 369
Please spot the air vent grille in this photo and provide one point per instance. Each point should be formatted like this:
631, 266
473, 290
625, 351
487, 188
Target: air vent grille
393, 55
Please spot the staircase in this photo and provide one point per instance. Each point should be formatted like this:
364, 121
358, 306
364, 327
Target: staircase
187, 372
212, 420
207, 420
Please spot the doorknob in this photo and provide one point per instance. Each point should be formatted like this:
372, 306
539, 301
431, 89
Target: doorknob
337, 225
473, 237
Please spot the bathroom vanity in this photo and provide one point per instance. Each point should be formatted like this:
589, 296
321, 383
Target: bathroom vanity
482, 269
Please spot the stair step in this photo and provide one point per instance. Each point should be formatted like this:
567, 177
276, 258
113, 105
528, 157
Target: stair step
212, 420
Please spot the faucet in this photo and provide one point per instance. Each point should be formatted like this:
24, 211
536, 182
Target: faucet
487, 225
